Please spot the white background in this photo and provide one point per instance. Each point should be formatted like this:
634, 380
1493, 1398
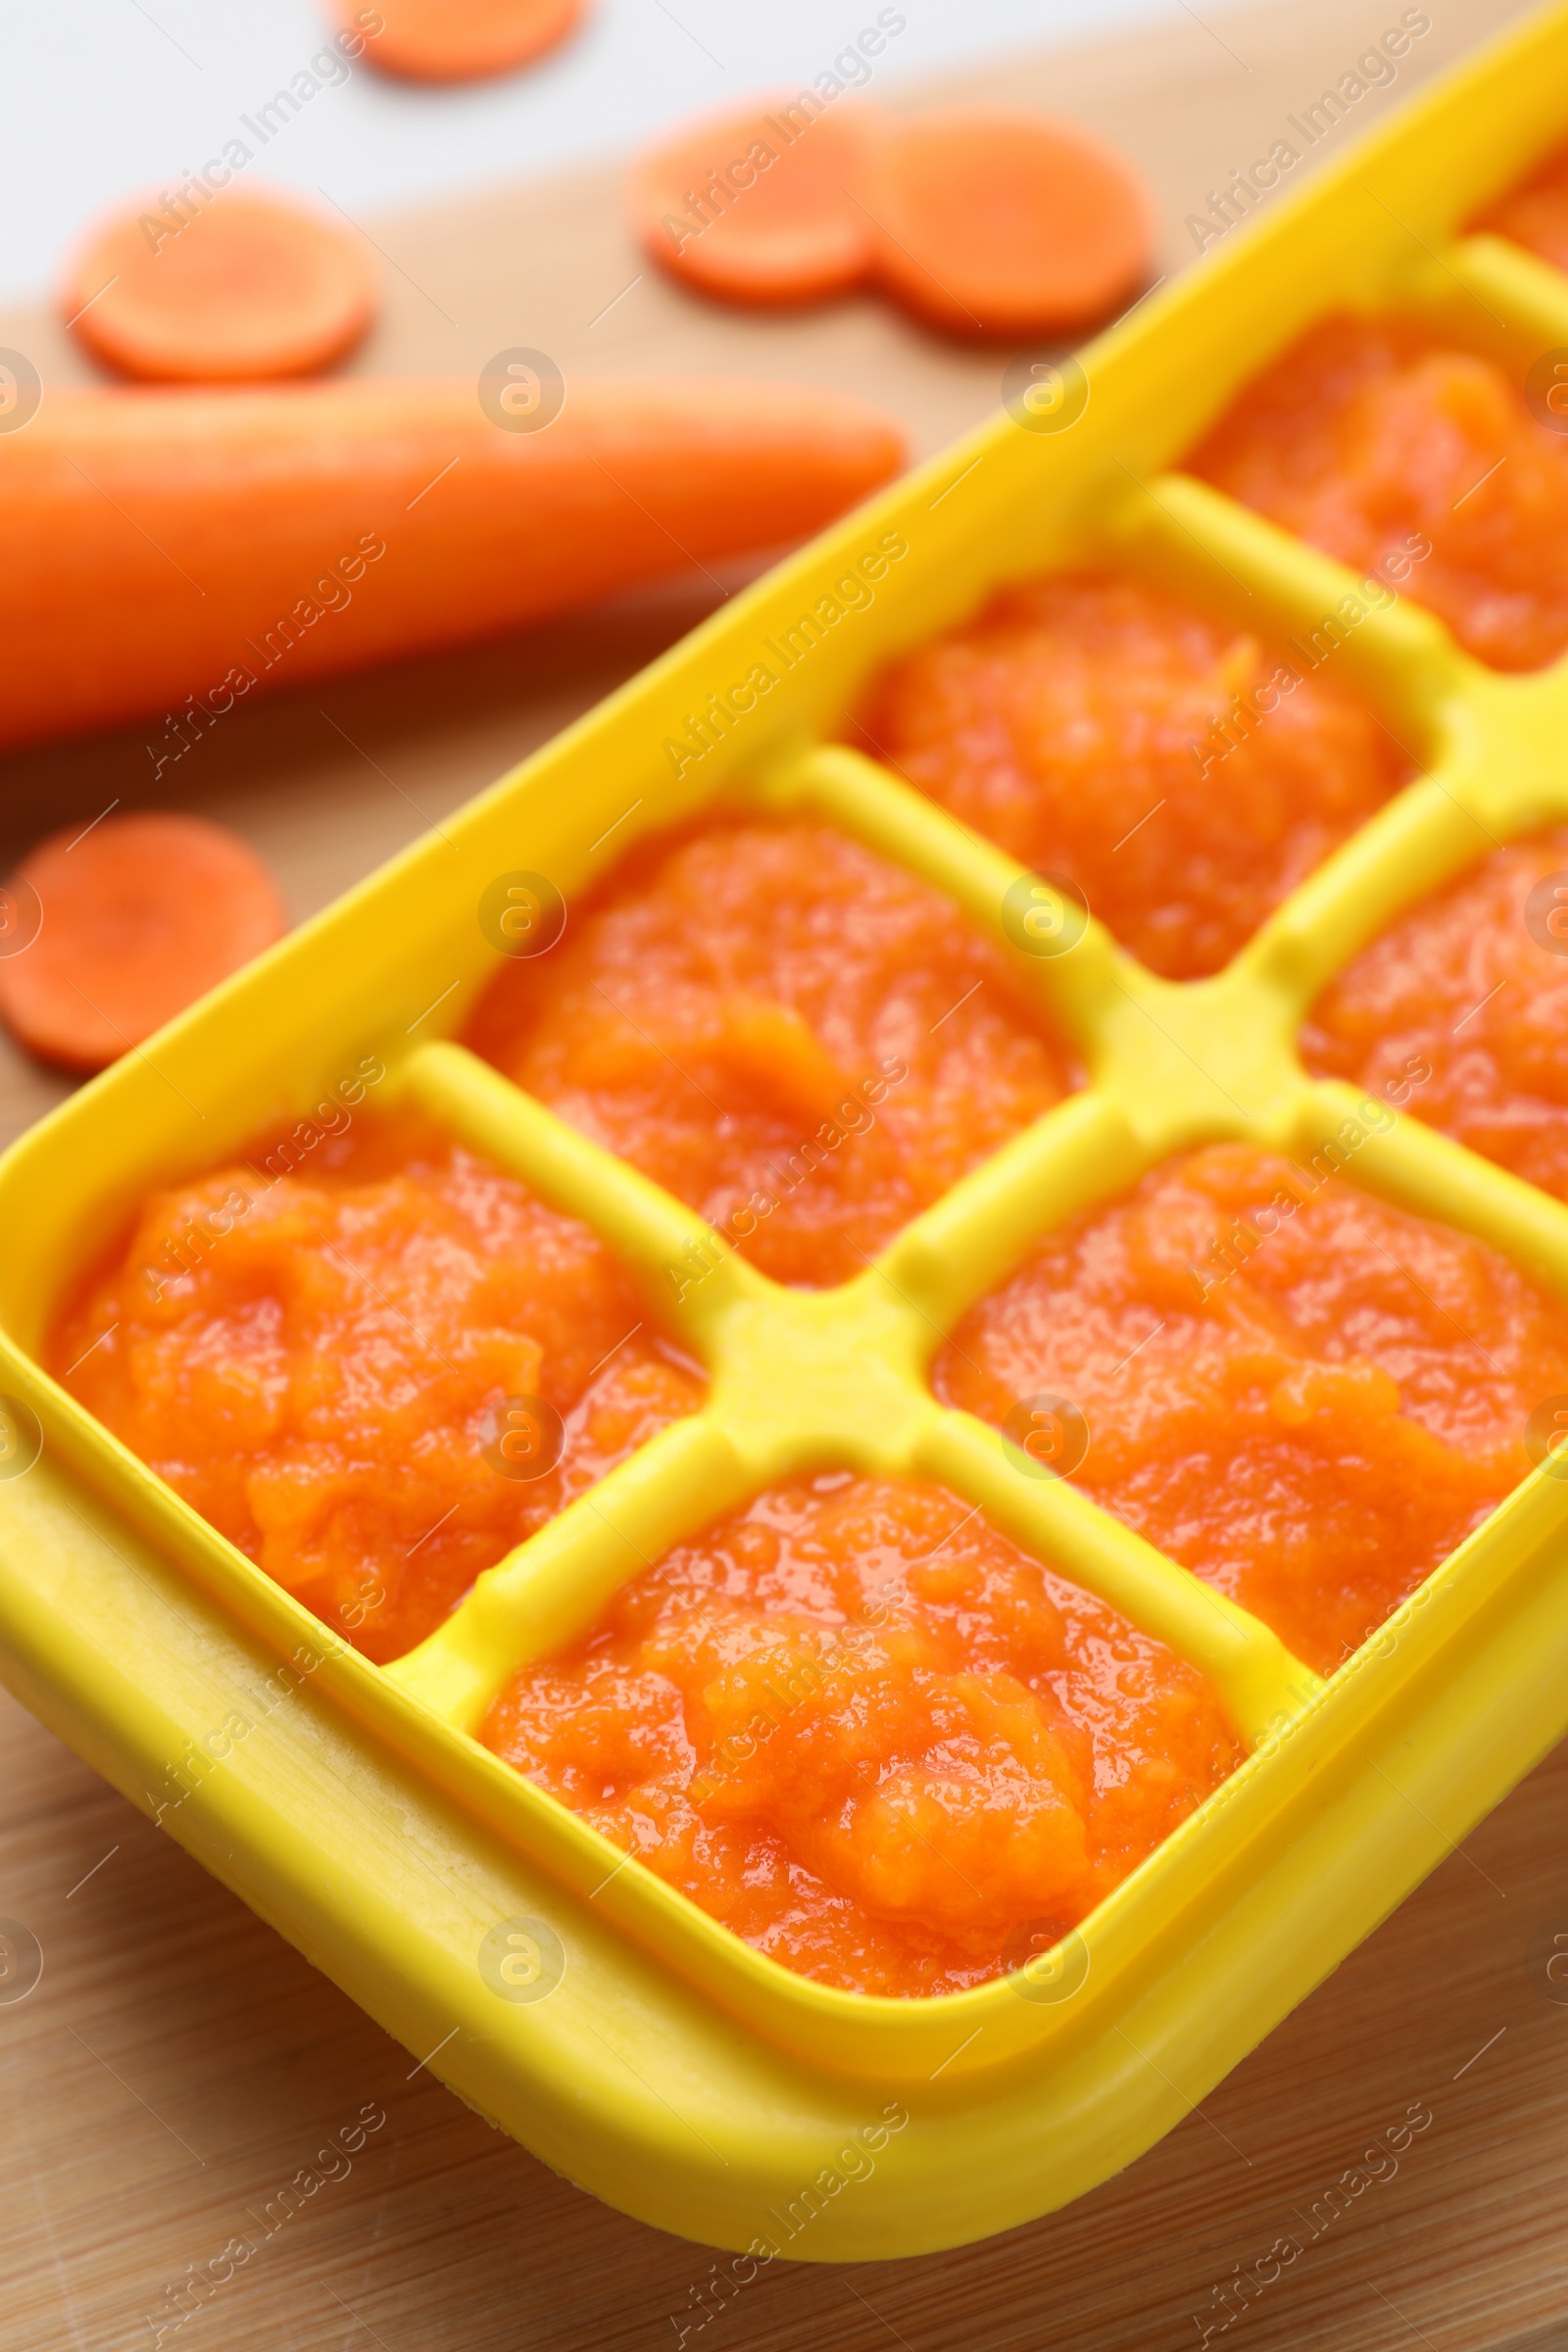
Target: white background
102, 98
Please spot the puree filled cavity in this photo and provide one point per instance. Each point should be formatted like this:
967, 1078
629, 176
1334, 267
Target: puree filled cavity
1535, 214
1306, 1396
323, 1362
1185, 775
794, 1036
1467, 996
863, 1730
1417, 462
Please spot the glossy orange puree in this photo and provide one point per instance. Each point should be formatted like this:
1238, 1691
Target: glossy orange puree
1370, 434
854, 1721
866, 1732
1304, 1394
1536, 213
1472, 985
1186, 775
785, 1030
318, 1360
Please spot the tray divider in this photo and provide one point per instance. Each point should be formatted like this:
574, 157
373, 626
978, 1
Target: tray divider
691, 1275
1260, 1682
553, 1589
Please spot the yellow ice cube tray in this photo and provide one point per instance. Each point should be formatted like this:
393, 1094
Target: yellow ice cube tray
558, 1987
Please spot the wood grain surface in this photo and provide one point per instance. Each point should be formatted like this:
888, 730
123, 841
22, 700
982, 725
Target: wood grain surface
177, 2063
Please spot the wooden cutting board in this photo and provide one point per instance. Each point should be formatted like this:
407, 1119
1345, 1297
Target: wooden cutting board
177, 2063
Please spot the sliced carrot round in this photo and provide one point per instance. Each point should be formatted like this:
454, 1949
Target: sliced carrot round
239, 285
994, 221
140, 915
460, 40
760, 207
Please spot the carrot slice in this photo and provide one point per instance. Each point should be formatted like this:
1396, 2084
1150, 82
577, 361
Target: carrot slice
169, 552
140, 915
247, 284
460, 40
760, 207
995, 222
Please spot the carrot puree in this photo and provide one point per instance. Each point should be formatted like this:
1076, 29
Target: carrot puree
1536, 213
1473, 984
316, 1346
788, 1032
863, 1730
1300, 1393
1185, 775
854, 1721
1370, 434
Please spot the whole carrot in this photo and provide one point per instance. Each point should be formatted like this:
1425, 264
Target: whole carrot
169, 552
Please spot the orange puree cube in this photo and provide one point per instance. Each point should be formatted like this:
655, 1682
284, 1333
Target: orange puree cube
868, 1732
1379, 442
1462, 1007
786, 1031
1301, 1394
1186, 775
373, 1362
